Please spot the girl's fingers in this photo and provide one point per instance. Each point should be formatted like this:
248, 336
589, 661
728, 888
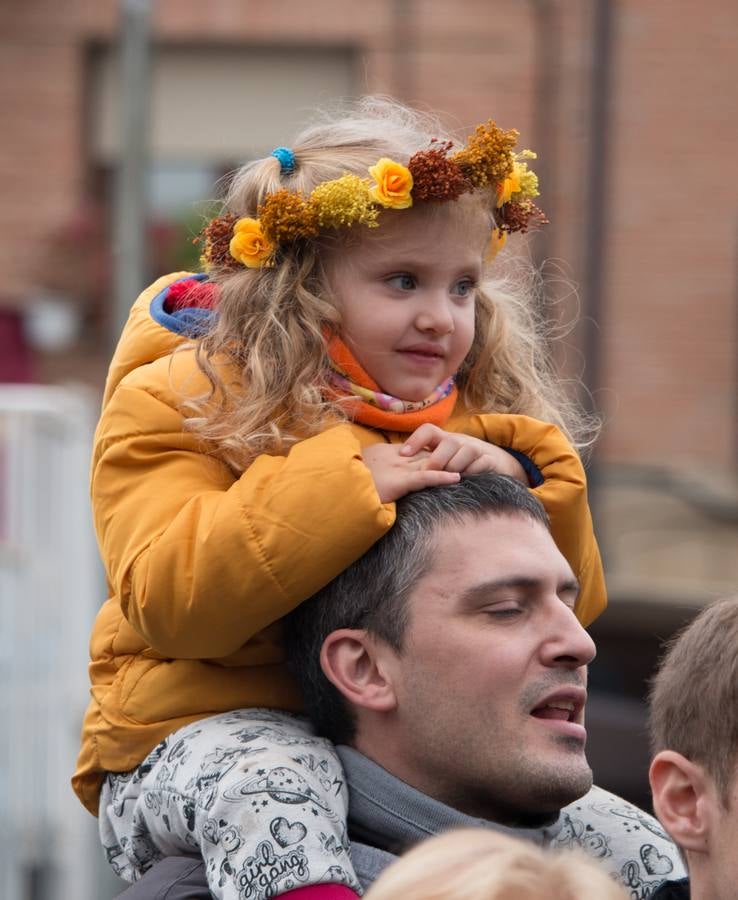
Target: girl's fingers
463, 460
502, 465
482, 464
443, 453
456, 452
413, 463
424, 478
425, 436
395, 476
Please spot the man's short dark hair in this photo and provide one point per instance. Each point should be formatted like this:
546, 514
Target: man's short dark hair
372, 593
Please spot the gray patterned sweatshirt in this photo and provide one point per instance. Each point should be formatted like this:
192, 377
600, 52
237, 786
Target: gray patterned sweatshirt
386, 816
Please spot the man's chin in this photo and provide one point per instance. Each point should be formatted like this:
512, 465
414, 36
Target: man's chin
540, 792
558, 760
564, 785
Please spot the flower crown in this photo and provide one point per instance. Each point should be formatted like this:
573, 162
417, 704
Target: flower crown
488, 160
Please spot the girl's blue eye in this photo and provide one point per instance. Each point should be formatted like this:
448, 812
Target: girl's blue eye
464, 288
402, 282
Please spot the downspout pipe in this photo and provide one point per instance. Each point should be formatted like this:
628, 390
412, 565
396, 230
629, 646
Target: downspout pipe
130, 210
547, 43
594, 238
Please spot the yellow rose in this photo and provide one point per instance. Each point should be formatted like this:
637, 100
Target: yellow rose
520, 181
248, 244
509, 186
497, 241
394, 183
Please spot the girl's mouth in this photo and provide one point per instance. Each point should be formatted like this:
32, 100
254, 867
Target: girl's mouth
429, 352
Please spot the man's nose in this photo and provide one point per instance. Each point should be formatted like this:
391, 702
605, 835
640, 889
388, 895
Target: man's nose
569, 644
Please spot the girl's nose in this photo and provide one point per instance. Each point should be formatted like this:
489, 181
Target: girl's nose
435, 314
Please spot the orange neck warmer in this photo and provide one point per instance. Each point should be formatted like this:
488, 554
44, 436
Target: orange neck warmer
357, 386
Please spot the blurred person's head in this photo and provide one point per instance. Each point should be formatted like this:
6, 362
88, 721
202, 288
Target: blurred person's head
480, 864
451, 656
694, 739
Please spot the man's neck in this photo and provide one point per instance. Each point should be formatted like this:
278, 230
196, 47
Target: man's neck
386, 812
463, 799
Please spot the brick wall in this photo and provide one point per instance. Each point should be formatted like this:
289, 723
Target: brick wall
670, 328
668, 340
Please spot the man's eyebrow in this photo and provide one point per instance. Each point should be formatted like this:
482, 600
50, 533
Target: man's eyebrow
482, 591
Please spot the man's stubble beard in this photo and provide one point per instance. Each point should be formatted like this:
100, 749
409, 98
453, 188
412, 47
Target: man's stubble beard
500, 782
535, 793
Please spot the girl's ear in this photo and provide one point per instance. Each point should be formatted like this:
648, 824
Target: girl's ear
353, 661
682, 799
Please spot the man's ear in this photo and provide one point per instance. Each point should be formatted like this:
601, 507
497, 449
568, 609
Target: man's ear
353, 661
681, 799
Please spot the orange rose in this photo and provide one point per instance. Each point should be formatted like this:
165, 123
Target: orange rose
394, 183
248, 244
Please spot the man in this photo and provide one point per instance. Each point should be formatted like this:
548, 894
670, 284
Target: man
694, 735
449, 666
450, 657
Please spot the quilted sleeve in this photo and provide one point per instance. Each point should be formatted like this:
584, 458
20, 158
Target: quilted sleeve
201, 560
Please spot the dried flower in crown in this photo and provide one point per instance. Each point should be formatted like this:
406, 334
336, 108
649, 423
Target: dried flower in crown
435, 176
214, 241
521, 184
528, 180
488, 160
519, 217
488, 155
344, 202
287, 216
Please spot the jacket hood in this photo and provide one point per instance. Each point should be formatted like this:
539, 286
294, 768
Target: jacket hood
151, 331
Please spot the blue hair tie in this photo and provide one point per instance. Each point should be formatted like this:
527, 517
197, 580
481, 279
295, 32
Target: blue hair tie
286, 159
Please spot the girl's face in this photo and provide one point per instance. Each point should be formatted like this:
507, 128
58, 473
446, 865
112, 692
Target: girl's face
406, 295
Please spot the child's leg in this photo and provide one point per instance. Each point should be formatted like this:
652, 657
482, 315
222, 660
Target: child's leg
254, 791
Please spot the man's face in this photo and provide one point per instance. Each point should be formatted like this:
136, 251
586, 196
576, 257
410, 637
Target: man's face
491, 681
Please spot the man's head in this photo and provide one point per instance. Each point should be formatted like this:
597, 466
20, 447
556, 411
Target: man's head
450, 653
694, 737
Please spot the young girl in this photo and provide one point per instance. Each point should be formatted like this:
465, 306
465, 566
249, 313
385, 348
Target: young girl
345, 347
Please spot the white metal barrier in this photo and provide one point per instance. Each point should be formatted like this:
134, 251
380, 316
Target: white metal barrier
50, 588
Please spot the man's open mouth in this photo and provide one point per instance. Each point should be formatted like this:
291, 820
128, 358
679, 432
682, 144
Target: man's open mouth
559, 709
564, 705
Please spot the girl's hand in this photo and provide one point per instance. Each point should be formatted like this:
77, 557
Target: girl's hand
452, 452
396, 475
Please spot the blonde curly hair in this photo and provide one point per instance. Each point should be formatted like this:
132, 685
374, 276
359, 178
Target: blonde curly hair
271, 323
